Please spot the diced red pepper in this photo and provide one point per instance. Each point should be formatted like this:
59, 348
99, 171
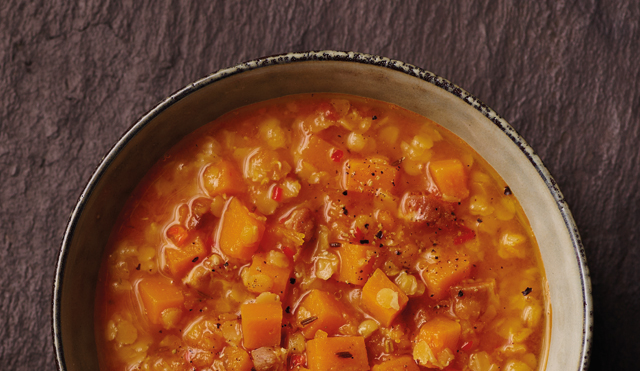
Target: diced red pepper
276, 194
467, 346
329, 111
358, 235
466, 234
178, 234
289, 252
336, 155
298, 360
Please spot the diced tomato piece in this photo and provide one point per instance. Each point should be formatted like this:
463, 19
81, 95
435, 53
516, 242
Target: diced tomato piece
336, 155
289, 252
329, 111
466, 234
178, 234
298, 360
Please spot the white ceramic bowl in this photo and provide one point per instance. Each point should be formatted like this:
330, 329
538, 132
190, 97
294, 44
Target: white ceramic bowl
326, 71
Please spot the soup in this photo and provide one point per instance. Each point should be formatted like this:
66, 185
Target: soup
322, 232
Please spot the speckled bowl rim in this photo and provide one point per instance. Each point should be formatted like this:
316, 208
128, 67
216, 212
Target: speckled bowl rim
329, 55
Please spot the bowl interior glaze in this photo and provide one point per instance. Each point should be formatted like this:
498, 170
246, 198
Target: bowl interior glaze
327, 71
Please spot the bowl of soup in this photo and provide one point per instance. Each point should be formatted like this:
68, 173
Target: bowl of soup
322, 211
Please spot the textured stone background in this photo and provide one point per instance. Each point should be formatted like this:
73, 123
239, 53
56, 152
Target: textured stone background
75, 75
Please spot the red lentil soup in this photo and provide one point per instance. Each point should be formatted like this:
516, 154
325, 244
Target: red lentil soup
322, 232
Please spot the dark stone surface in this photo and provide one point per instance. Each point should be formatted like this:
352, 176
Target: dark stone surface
75, 75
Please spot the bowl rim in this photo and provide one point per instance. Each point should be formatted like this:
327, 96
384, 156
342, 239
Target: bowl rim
325, 56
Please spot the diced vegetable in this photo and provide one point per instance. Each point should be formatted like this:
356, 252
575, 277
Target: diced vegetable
276, 194
320, 310
178, 234
240, 231
465, 234
446, 271
182, 259
370, 176
236, 359
403, 363
159, 294
322, 155
222, 178
336, 155
356, 262
437, 342
451, 179
337, 354
263, 275
261, 324
382, 298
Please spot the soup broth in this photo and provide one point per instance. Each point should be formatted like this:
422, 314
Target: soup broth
322, 232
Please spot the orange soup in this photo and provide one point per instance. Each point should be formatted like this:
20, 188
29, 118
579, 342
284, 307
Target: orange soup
322, 232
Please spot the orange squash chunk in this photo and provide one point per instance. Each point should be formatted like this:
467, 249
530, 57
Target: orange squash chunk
446, 272
182, 259
451, 179
240, 231
261, 324
322, 155
403, 363
262, 276
439, 334
382, 298
370, 177
356, 263
337, 353
159, 293
327, 311
222, 178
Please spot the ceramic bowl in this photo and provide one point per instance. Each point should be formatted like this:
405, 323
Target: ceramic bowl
364, 75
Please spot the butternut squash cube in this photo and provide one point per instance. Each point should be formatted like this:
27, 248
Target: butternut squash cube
448, 270
240, 230
222, 178
337, 353
370, 177
158, 293
261, 324
356, 262
319, 310
182, 259
322, 155
437, 342
451, 179
382, 298
263, 275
